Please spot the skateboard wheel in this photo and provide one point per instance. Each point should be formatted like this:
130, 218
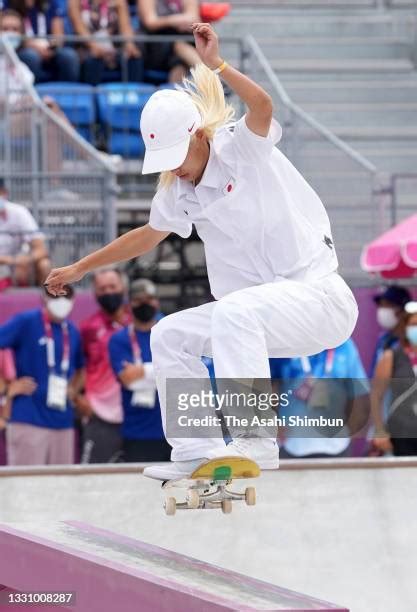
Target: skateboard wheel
193, 499
170, 506
226, 506
250, 496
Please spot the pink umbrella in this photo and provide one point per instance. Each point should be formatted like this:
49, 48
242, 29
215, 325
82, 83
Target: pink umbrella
394, 254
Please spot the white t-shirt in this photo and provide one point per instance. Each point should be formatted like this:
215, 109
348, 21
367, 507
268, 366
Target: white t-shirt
258, 218
14, 79
17, 227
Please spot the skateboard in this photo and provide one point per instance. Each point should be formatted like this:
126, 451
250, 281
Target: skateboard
207, 487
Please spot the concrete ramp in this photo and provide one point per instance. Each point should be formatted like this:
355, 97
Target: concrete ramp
108, 572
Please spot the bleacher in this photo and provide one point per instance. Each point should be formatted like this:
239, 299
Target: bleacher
352, 67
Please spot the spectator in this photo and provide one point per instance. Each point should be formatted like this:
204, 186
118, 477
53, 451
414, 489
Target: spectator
22, 245
169, 17
130, 355
102, 400
390, 305
10, 387
397, 371
13, 81
102, 60
48, 355
315, 391
46, 57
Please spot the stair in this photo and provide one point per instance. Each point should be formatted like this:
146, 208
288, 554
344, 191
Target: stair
351, 66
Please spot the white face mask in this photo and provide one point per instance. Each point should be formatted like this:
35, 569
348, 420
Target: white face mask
60, 307
386, 317
13, 38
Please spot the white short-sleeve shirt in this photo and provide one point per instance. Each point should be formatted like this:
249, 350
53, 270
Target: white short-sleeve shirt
17, 227
258, 218
14, 79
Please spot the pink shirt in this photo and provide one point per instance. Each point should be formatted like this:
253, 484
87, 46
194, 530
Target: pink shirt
102, 387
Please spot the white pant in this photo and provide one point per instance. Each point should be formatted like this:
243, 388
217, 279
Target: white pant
241, 330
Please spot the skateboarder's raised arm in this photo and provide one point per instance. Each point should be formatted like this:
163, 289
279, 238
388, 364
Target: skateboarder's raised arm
132, 244
258, 101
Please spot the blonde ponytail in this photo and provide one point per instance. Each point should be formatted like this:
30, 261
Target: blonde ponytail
206, 91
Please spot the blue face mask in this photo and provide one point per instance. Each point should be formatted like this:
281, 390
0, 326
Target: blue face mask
411, 334
13, 38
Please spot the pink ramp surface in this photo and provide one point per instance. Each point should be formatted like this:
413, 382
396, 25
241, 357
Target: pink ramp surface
109, 572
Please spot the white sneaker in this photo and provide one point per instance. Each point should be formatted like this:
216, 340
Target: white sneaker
263, 451
173, 469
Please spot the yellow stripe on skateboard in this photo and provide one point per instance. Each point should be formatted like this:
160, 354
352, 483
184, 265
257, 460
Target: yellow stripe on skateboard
226, 468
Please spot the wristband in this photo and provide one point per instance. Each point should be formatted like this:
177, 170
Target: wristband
220, 68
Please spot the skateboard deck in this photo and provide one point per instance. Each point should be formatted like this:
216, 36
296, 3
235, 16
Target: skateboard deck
207, 487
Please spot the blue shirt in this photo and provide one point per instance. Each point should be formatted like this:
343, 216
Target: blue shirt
346, 363
138, 423
25, 335
346, 366
54, 8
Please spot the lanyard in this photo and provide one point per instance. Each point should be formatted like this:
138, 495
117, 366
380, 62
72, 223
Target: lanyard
41, 22
104, 15
306, 365
137, 353
50, 344
103, 12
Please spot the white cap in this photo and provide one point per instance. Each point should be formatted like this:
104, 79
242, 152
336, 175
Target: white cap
168, 121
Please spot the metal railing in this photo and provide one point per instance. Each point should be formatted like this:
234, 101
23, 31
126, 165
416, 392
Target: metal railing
114, 107
403, 194
67, 184
358, 197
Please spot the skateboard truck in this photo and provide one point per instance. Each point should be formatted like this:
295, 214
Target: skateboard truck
207, 488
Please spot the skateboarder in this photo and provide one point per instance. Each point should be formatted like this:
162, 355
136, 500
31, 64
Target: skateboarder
270, 256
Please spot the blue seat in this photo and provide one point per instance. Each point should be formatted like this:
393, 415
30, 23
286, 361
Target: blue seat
120, 104
119, 109
157, 77
126, 144
77, 101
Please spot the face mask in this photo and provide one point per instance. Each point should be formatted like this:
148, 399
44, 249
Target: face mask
110, 302
411, 334
144, 312
386, 317
60, 307
13, 38
2, 203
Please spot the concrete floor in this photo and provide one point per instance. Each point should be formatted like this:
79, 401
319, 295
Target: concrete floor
343, 535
